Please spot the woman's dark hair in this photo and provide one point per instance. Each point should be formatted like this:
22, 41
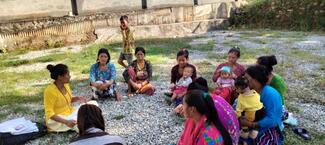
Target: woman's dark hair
268, 62
241, 82
199, 84
259, 73
183, 52
57, 70
235, 50
90, 116
104, 50
204, 104
124, 17
140, 49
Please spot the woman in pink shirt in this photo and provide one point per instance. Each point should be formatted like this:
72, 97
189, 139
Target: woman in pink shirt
236, 70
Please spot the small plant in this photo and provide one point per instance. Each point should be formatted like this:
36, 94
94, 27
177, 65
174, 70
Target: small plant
85, 71
118, 117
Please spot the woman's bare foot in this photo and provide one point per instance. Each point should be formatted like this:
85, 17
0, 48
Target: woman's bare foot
130, 94
118, 96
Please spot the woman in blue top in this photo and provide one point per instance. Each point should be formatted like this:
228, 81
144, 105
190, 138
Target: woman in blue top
102, 76
269, 131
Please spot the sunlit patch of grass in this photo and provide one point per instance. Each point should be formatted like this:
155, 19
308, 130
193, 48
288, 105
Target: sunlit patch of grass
259, 41
205, 47
20, 109
14, 63
217, 57
231, 43
305, 55
43, 59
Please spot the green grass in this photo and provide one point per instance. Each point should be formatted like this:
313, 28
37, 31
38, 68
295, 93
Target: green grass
303, 15
27, 87
118, 117
305, 55
292, 139
18, 87
47, 58
205, 47
3, 115
231, 43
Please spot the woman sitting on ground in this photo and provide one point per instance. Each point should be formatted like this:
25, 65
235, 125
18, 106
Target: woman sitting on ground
139, 74
207, 128
236, 70
58, 99
91, 127
274, 80
225, 112
182, 59
102, 76
269, 126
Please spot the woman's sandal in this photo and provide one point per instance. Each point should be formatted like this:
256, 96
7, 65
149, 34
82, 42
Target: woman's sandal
303, 133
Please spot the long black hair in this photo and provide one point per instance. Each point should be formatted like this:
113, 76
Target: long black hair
204, 104
235, 50
259, 73
199, 84
57, 70
183, 52
241, 82
139, 49
103, 50
268, 62
89, 116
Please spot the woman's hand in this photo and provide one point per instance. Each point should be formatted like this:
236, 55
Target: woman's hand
105, 85
70, 123
233, 75
172, 86
216, 75
245, 122
78, 99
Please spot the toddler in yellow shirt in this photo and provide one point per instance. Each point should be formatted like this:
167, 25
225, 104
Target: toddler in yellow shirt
248, 105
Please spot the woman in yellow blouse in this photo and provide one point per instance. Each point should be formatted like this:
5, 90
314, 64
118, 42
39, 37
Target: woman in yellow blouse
58, 99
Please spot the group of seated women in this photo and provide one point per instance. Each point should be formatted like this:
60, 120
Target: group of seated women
210, 117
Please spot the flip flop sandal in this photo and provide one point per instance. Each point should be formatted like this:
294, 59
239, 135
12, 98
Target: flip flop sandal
303, 133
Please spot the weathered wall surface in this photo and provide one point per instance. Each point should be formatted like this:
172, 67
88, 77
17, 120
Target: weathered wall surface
104, 27
169, 3
19, 9
32, 9
95, 6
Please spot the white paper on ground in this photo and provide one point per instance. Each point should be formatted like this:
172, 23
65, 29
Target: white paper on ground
18, 126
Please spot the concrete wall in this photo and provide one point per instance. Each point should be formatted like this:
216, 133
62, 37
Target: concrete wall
15, 9
90, 6
168, 3
202, 2
102, 28
32, 9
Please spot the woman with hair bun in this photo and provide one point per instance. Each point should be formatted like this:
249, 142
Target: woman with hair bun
58, 99
269, 126
274, 80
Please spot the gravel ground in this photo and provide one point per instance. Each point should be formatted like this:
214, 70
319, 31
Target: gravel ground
149, 120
